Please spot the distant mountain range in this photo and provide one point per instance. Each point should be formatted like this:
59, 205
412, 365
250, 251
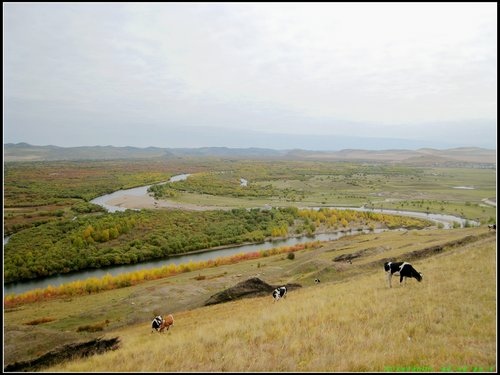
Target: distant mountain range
425, 156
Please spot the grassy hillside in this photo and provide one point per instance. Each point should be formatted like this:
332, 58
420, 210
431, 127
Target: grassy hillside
351, 321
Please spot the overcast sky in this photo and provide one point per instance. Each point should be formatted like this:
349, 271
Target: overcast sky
236, 74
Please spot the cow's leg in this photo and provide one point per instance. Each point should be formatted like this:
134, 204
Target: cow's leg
389, 277
403, 280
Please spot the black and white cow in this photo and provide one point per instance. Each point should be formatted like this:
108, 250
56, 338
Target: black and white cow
401, 269
156, 324
317, 281
492, 227
279, 293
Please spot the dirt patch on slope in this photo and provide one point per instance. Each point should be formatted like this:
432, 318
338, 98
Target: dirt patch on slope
64, 353
434, 250
360, 253
253, 287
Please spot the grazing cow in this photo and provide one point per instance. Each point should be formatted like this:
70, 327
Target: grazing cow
492, 227
317, 281
279, 293
156, 324
167, 322
402, 269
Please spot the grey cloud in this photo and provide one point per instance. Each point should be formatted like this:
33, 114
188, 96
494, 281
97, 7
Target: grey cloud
122, 69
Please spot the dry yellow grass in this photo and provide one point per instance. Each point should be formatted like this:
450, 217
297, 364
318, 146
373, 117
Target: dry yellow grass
448, 321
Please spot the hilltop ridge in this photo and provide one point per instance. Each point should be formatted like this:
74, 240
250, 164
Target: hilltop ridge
476, 156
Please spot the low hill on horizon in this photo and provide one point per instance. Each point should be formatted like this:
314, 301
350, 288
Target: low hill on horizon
480, 157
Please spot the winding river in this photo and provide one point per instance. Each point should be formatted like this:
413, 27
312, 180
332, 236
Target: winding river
141, 191
56, 280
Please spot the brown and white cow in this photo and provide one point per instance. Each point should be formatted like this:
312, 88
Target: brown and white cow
167, 322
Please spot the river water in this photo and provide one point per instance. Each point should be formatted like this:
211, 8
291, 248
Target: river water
138, 191
56, 280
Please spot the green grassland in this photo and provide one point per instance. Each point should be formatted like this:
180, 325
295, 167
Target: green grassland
351, 321
39, 192
436, 190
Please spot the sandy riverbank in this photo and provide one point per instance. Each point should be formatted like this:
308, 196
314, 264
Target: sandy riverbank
490, 201
140, 202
